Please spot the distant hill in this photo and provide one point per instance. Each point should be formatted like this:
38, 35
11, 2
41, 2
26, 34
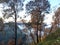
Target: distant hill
7, 36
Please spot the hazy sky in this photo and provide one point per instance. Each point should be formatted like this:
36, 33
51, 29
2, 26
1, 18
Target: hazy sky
54, 4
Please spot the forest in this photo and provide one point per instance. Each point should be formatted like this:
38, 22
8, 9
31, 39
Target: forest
29, 22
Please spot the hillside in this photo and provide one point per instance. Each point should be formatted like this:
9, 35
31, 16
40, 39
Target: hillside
52, 39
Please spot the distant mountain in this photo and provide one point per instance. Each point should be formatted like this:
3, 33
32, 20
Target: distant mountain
8, 35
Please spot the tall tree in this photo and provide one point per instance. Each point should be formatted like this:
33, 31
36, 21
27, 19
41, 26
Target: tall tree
36, 8
1, 24
57, 16
12, 6
56, 19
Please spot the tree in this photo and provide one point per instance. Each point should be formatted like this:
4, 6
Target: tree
42, 4
13, 5
36, 8
57, 15
1, 24
37, 21
56, 19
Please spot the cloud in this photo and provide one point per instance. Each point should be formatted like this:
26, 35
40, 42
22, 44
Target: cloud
48, 18
1, 6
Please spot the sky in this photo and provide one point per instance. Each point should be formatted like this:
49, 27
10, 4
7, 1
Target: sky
54, 4
48, 17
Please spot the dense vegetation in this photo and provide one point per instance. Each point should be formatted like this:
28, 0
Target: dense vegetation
52, 39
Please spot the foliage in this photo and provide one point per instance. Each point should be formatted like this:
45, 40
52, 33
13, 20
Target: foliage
10, 6
42, 4
38, 5
36, 8
57, 17
52, 39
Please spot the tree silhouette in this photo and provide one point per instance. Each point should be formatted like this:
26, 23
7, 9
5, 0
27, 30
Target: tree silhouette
57, 15
1, 24
56, 19
12, 9
36, 8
